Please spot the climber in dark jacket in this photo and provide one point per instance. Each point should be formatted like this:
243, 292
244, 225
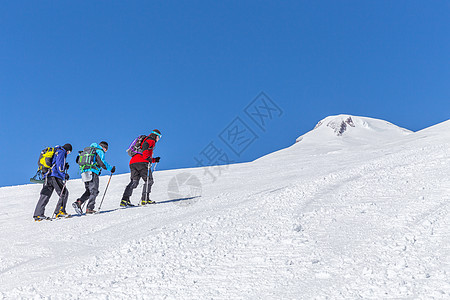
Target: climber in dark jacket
55, 180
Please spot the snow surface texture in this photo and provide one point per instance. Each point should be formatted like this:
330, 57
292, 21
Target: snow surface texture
355, 213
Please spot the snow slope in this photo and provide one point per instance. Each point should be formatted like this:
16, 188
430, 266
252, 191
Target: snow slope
361, 214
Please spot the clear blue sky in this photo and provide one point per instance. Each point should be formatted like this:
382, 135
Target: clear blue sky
85, 71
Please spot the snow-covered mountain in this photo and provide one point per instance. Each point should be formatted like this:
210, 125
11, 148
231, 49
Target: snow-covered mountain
357, 208
355, 130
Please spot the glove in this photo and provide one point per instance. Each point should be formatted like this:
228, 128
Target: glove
113, 170
67, 176
157, 159
67, 166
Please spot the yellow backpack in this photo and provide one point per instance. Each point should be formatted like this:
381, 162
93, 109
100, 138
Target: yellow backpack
45, 159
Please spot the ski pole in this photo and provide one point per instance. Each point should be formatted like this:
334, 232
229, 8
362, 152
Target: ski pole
84, 204
60, 198
104, 193
148, 175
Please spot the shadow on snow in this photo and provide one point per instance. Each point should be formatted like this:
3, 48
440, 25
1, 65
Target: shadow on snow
161, 202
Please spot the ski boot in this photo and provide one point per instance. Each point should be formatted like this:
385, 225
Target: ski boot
90, 211
40, 218
125, 203
62, 214
145, 199
77, 206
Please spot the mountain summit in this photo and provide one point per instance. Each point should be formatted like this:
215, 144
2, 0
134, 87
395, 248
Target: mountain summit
349, 128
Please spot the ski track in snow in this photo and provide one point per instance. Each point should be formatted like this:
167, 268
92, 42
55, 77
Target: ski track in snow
337, 224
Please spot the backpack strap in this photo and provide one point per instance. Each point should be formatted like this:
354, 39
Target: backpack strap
143, 142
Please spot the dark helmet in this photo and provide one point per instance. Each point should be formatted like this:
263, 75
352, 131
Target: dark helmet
104, 145
155, 133
68, 147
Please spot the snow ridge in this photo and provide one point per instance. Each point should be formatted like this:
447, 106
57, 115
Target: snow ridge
365, 129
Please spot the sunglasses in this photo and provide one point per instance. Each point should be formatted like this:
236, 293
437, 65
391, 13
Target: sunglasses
158, 134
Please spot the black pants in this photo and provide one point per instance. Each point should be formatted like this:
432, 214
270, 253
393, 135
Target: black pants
138, 171
91, 191
51, 184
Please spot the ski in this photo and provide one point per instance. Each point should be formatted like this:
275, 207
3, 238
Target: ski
39, 219
128, 206
148, 204
64, 217
33, 180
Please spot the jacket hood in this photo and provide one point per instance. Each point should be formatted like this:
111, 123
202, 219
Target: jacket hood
95, 145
